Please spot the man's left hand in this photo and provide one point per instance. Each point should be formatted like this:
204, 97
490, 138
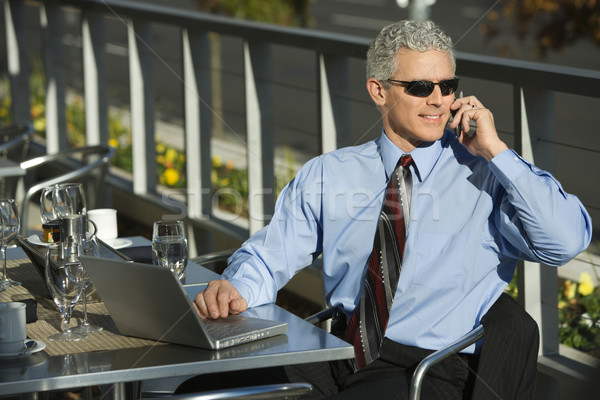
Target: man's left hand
484, 141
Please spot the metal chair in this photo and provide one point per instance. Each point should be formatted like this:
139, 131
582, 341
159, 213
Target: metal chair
14, 141
14, 145
425, 364
89, 168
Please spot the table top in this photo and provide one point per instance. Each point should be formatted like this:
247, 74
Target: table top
10, 168
303, 343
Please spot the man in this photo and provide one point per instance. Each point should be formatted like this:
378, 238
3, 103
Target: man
476, 208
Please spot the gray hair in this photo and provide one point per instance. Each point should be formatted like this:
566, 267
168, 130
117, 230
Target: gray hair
413, 35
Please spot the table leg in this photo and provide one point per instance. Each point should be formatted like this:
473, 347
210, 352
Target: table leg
123, 391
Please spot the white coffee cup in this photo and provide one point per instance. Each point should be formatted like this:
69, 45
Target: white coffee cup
13, 330
106, 222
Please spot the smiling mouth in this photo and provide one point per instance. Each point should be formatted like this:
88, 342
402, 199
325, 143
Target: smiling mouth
432, 117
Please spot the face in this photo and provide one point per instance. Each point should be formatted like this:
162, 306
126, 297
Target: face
409, 120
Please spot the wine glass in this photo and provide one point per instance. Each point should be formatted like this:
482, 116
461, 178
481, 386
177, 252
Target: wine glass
9, 219
64, 279
89, 248
62, 200
169, 246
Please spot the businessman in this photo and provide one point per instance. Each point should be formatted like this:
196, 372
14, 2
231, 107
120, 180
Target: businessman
463, 210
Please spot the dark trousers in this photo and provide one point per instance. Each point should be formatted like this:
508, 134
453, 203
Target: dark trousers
382, 379
505, 369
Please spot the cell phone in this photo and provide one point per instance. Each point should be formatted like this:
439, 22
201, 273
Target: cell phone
458, 129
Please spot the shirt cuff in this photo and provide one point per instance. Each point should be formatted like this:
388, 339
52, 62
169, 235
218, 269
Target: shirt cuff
507, 166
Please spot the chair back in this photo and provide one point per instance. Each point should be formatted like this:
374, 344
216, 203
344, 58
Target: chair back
14, 141
14, 145
87, 165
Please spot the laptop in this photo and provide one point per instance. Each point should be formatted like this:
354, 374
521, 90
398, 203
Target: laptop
149, 302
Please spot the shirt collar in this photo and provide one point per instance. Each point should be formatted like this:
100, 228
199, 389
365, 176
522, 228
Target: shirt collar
425, 156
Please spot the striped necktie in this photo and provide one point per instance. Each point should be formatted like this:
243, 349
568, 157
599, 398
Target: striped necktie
369, 320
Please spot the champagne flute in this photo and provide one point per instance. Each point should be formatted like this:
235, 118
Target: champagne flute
64, 278
9, 218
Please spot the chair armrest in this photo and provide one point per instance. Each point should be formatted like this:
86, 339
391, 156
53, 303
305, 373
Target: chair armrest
276, 391
436, 357
213, 257
322, 315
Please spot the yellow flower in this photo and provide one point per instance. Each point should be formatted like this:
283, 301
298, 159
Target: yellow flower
37, 110
160, 148
562, 304
171, 176
171, 155
570, 290
40, 124
217, 161
113, 143
586, 284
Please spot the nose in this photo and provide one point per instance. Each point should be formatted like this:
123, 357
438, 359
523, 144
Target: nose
436, 97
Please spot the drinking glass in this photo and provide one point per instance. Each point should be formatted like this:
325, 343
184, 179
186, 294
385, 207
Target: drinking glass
169, 246
89, 248
64, 279
9, 219
62, 200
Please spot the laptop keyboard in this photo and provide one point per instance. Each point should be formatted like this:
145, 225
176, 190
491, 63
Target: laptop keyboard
219, 329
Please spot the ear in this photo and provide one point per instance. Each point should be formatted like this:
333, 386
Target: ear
376, 91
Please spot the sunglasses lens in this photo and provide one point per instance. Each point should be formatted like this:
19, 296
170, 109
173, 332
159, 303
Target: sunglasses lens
449, 86
420, 88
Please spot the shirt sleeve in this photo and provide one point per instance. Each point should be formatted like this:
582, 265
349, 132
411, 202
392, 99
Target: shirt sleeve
537, 218
290, 242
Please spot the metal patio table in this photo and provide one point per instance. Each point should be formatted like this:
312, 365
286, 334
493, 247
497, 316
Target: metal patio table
124, 369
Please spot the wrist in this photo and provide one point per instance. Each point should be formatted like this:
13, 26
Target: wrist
495, 149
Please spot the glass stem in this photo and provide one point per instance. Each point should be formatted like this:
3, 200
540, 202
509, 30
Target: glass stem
66, 322
4, 268
84, 294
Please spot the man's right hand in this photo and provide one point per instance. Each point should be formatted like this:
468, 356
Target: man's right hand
218, 300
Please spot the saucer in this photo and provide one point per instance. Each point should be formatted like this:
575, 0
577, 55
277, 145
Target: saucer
35, 239
38, 345
117, 243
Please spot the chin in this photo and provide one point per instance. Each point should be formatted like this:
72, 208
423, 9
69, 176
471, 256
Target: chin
432, 136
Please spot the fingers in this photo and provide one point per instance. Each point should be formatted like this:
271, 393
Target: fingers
466, 109
218, 300
484, 141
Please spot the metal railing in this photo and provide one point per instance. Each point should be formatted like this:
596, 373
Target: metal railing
532, 87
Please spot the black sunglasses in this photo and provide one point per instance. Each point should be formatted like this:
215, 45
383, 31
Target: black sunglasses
425, 88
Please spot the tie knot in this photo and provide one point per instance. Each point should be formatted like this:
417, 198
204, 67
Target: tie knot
405, 160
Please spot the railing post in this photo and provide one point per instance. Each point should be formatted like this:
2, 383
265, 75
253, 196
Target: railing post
538, 284
56, 125
94, 76
18, 64
334, 113
198, 130
259, 120
142, 106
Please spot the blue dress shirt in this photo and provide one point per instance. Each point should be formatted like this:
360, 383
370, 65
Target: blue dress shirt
470, 221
